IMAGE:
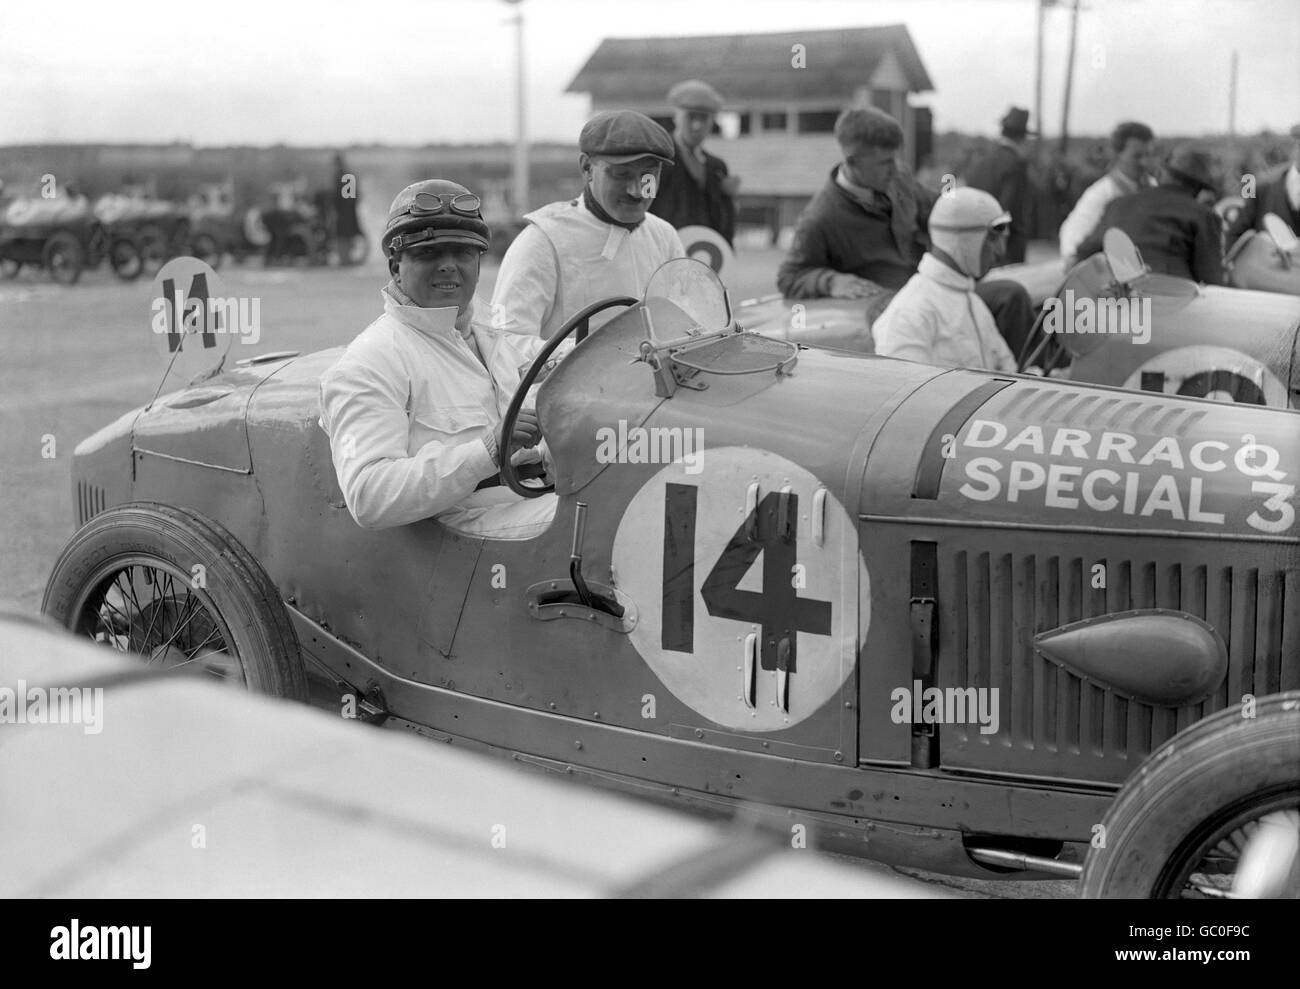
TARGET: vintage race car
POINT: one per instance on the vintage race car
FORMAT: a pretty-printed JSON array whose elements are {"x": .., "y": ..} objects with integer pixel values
[{"x": 935, "y": 617}]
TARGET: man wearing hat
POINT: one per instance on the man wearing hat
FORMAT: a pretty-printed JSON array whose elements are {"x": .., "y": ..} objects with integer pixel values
[
  {"x": 1004, "y": 174},
  {"x": 1177, "y": 234},
  {"x": 1276, "y": 192},
  {"x": 938, "y": 317},
  {"x": 600, "y": 245},
  {"x": 413, "y": 408},
  {"x": 696, "y": 189}
]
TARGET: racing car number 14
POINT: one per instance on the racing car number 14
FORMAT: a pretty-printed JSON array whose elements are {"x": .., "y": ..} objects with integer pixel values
[{"x": 747, "y": 578}]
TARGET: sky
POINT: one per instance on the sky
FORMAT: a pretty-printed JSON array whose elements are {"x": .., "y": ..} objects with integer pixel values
[{"x": 428, "y": 71}]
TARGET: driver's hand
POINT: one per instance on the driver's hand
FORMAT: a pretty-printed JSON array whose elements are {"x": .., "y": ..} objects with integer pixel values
[
  {"x": 846, "y": 286},
  {"x": 528, "y": 430}
]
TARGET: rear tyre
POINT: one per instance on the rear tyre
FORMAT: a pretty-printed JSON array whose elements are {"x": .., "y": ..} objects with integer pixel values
[
  {"x": 63, "y": 258},
  {"x": 176, "y": 589},
  {"x": 1182, "y": 823},
  {"x": 125, "y": 259}
]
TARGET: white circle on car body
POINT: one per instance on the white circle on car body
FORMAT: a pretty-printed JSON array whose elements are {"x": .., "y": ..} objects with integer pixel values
[
  {"x": 1204, "y": 371},
  {"x": 707, "y": 573}
]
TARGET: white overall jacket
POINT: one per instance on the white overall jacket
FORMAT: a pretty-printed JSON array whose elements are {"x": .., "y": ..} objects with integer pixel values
[
  {"x": 567, "y": 258},
  {"x": 411, "y": 413}
]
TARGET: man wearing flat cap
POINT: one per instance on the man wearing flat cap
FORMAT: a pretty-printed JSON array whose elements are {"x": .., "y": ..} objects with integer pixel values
[
  {"x": 696, "y": 190},
  {"x": 600, "y": 245},
  {"x": 414, "y": 406},
  {"x": 1004, "y": 174},
  {"x": 1177, "y": 234},
  {"x": 1278, "y": 191}
]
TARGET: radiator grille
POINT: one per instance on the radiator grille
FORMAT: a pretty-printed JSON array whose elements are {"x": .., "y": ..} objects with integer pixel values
[{"x": 1052, "y": 723}]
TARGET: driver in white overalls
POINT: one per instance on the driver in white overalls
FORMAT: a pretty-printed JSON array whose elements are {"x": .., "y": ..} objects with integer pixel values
[
  {"x": 413, "y": 408},
  {"x": 601, "y": 245}
]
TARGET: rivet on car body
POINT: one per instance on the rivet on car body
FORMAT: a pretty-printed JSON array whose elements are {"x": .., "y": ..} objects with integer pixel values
[
  {"x": 699, "y": 732},
  {"x": 551, "y": 705},
  {"x": 839, "y": 756},
  {"x": 577, "y": 744}
]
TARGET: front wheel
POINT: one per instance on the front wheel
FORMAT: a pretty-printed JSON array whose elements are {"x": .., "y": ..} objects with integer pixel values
[
  {"x": 1213, "y": 813},
  {"x": 176, "y": 589},
  {"x": 63, "y": 258}
]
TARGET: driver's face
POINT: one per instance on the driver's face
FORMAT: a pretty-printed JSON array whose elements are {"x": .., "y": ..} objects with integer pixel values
[{"x": 439, "y": 275}]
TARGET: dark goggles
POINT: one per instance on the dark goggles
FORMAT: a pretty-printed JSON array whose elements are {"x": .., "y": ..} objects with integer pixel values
[{"x": 431, "y": 204}]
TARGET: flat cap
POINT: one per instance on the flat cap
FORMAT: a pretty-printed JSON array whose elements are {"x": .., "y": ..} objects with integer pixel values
[
  {"x": 693, "y": 94},
  {"x": 625, "y": 135}
]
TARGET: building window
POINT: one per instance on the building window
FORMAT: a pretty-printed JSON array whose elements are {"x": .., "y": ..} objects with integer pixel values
[
  {"x": 746, "y": 120},
  {"x": 818, "y": 121},
  {"x": 775, "y": 121}
]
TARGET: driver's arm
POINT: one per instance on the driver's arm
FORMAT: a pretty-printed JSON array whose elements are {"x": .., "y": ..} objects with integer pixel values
[{"x": 363, "y": 411}]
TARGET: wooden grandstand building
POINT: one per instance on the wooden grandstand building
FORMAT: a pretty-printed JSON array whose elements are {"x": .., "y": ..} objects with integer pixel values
[{"x": 783, "y": 92}]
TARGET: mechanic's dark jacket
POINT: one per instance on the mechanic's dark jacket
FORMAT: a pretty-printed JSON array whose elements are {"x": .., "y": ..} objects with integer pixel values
[
  {"x": 1176, "y": 234},
  {"x": 1004, "y": 174},
  {"x": 1270, "y": 197},
  {"x": 837, "y": 233},
  {"x": 683, "y": 202}
]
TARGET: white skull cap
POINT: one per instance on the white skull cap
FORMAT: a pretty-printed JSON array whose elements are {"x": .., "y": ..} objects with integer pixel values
[
  {"x": 959, "y": 223},
  {"x": 967, "y": 210}
]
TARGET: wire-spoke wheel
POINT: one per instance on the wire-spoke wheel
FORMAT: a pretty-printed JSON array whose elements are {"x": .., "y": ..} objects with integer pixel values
[
  {"x": 178, "y": 591},
  {"x": 1214, "y": 813},
  {"x": 63, "y": 258}
]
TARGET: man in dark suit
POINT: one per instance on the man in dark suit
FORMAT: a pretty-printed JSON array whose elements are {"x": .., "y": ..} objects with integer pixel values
[
  {"x": 864, "y": 233},
  {"x": 1278, "y": 192},
  {"x": 1004, "y": 173},
  {"x": 696, "y": 189},
  {"x": 1177, "y": 234}
]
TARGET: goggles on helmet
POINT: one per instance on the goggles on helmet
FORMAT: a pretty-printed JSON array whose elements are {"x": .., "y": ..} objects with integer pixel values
[{"x": 433, "y": 203}]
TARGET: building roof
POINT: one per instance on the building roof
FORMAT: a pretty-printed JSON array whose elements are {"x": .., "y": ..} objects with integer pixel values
[{"x": 749, "y": 67}]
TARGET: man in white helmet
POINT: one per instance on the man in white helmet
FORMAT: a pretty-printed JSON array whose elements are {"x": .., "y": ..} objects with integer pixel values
[
  {"x": 601, "y": 245},
  {"x": 937, "y": 317},
  {"x": 413, "y": 408}
]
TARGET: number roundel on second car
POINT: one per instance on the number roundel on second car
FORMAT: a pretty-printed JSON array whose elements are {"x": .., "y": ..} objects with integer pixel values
[{"x": 747, "y": 576}]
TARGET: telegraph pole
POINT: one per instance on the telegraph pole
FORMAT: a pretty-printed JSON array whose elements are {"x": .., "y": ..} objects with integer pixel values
[
  {"x": 1038, "y": 74},
  {"x": 1069, "y": 78},
  {"x": 1232, "y": 95},
  {"x": 520, "y": 194}
]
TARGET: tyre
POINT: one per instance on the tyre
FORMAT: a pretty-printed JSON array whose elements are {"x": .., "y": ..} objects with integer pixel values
[
  {"x": 152, "y": 242},
  {"x": 176, "y": 589},
  {"x": 205, "y": 248},
  {"x": 9, "y": 268},
  {"x": 1202, "y": 805},
  {"x": 125, "y": 259},
  {"x": 63, "y": 258}
]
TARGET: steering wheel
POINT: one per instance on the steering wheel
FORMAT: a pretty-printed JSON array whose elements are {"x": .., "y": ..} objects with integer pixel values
[{"x": 509, "y": 474}]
